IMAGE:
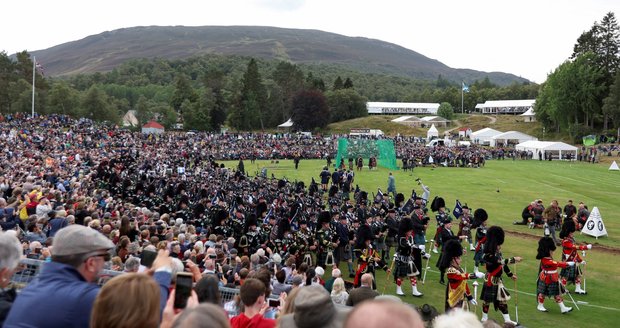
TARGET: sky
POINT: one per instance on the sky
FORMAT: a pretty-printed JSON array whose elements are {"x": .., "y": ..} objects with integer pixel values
[{"x": 528, "y": 38}]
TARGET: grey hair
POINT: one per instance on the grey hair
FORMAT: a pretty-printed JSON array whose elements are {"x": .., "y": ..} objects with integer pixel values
[
  {"x": 132, "y": 264},
  {"x": 10, "y": 251}
]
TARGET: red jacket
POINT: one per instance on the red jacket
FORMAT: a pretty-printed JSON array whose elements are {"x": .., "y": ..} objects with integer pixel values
[{"x": 257, "y": 321}]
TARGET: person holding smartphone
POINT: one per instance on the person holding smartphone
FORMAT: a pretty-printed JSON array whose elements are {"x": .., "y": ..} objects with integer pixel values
[{"x": 252, "y": 295}]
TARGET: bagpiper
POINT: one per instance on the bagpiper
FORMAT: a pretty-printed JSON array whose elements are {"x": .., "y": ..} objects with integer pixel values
[
  {"x": 405, "y": 258},
  {"x": 457, "y": 289},
  {"x": 439, "y": 205},
  {"x": 465, "y": 223},
  {"x": 493, "y": 290},
  {"x": 480, "y": 224},
  {"x": 325, "y": 238},
  {"x": 569, "y": 251},
  {"x": 548, "y": 279}
]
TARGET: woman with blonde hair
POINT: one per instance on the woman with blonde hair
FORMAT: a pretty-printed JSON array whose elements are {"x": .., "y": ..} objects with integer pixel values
[
  {"x": 128, "y": 300},
  {"x": 339, "y": 293}
]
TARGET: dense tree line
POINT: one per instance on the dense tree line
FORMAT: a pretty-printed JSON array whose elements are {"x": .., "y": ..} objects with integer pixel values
[
  {"x": 582, "y": 95},
  {"x": 208, "y": 92}
]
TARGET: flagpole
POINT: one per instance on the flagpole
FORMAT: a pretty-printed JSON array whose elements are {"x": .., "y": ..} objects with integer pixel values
[
  {"x": 462, "y": 87},
  {"x": 34, "y": 70}
]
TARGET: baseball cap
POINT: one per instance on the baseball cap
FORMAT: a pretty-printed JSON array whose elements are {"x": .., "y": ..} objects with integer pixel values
[{"x": 77, "y": 239}]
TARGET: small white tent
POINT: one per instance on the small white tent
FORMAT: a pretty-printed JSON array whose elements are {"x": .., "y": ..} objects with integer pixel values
[
  {"x": 594, "y": 226},
  {"x": 529, "y": 115},
  {"x": 432, "y": 132},
  {"x": 555, "y": 149},
  {"x": 510, "y": 138},
  {"x": 614, "y": 167},
  {"x": 483, "y": 136}
]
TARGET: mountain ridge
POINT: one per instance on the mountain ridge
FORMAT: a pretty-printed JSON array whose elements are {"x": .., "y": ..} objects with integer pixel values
[{"x": 104, "y": 51}]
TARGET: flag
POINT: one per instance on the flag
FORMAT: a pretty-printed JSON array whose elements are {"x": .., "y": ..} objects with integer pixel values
[
  {"x": 458, "y": 209},
  {"x": 379, "y": 196},
  {"x": 39, "y": 67},
  {"x": 464, "y": 87},
  {"x": 408, "y": 207}
]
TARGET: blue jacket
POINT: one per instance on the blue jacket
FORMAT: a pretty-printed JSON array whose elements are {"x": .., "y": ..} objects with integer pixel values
[{"x": 60, "y": 297}]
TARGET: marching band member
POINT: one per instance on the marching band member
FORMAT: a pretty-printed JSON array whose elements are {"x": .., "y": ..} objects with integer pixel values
[
  {"x": 569, "y": 250},
  {"x": 493, "y": 290},
  {"x": 405, "y": 258},
  {"x": 548, "y": 279},
  {"x": 457, "y": 289}
]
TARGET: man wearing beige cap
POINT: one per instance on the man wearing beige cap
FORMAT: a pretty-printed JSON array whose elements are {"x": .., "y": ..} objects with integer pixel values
[{"x": 64, "y": 288}]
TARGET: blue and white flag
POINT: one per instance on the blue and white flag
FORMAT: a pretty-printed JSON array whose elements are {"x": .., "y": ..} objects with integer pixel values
[
  {"x": 464, "y": 86},
  {"x": 458, "y": 209}
]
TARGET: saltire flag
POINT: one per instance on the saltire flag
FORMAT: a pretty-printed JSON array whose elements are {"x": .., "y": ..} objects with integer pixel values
[
  {"x": 458, "y": 209},
  {"x": 269, "y": 214},
  {"x": 464, "y": 87}
]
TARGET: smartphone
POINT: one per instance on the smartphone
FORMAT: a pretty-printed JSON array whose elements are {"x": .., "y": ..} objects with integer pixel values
[
  {"x": 274, "y": 302},
  {"x": 148, "y": 257},
  {"x": 213, "y": 256},
  {"x": 183, "y": 289}
]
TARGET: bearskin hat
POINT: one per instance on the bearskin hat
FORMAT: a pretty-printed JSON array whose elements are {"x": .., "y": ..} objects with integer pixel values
[
  {"x": 480, "y": 215},
  {"x": 495, "y": 237},
  {"x": 251, "y": 220},
  {"x": 261, "y": 208},
  {"x": 545, "y": 246},
  {"x": 567, "y": 228},
  {"x": 400, "y": 198},
  {"x": 221, "y": 215},
  {"x": 451, "y": 249},
  {"x": 151, "y": 189},
  {"x": 437, "y": 203},
  {"x": 406, "y": 224},
  {"x": 324, "y": 217}
]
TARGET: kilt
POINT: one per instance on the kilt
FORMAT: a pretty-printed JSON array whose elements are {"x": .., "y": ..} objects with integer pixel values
[
  {"x": 405, "y": 269},
  {"x": 495, "y": 293},
  {"x": 571, "y": 273},
  {"x": 551, "y": 289}
]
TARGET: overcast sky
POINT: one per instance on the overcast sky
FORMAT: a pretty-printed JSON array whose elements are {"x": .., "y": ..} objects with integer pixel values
[{"x": 528, "y": 38}]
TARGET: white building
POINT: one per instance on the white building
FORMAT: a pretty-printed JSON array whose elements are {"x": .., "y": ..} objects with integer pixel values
[
  {"x": 399, "y": 108},
  {"x": 506, "y": 106}
]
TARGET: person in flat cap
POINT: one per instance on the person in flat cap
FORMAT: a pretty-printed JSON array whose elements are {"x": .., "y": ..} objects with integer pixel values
[{"x": 66, "y": 284}]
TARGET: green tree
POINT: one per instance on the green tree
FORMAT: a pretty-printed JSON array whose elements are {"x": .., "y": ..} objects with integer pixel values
[
  {"x": 445, "y": 110},
  {"x": 250, "y": 112},
  {"x": 289, "y": 79},
  {"x": 338, "y": 84},
  {"x": 611, "y": 104},
  {"x": 196, "y": 116},
  {"x": 96, "y": 105},
  {"x": 183, "y": 91},
  {"x": 63, "y": 99},
  {"x": 345, "y": 104},
  {"x": 310, "y": 110},
  {"x": 143, "y": 112},
  {"x": 348, "y": 84}
]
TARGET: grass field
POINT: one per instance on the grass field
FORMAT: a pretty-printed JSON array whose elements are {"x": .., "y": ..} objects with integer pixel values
[{"x": 504, "y": 188}]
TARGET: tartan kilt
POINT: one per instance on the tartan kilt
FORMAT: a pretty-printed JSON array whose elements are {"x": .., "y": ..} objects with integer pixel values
[
  {"x": 571, "y": 273},
  {"x": 494, "y": 293},
  {"x": 551, "y": 289},
  {"x": 403, "y": 269}
]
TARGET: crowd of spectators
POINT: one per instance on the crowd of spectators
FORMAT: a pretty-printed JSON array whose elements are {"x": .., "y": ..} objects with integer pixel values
[{"x": 84, "y": 197}]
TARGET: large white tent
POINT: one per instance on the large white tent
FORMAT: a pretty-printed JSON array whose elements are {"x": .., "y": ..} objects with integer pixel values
[
  {"x": 556, "y": 149},
  {"x": 483, "y": 136},
  {"x": 510, "y": 138},
  {"x": 432, "y": 132}
]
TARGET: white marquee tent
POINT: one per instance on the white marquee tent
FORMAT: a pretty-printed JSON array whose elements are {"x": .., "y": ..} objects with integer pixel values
[
  {"x": 510, "y": 138},
  {"x": 432, "y": 132},
  {"x": 557, "y": 150},
  {"x": 286, "y": 125},
  {"x": 483, "y": 136}
]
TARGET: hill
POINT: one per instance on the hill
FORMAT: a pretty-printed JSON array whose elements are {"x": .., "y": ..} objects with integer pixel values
[{"x": 104, "y": 51}]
